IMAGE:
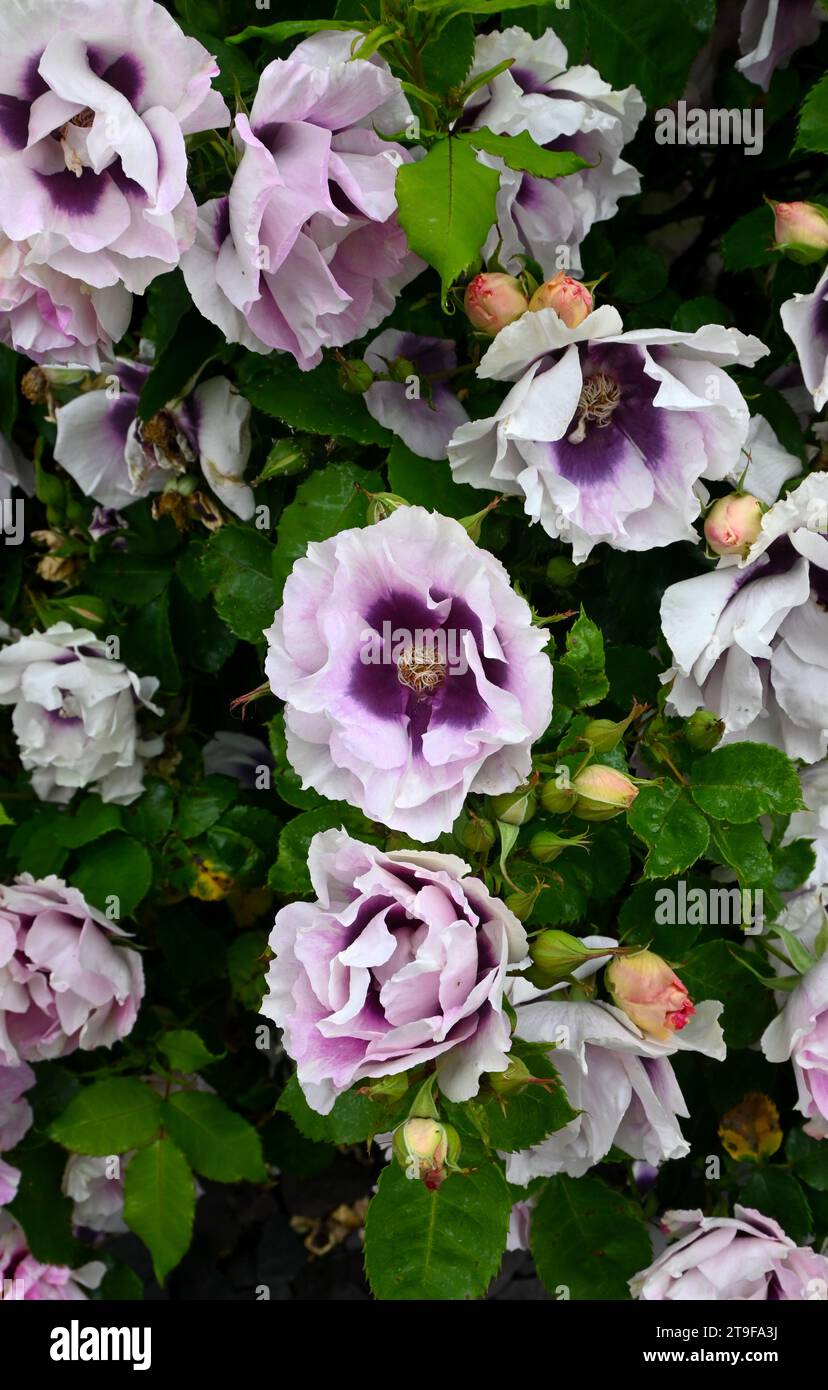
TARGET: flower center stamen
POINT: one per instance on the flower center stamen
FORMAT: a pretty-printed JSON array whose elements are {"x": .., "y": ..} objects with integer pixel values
[
  {"x": 421, "y": 670},
  {"x": 600, "y": 395}
]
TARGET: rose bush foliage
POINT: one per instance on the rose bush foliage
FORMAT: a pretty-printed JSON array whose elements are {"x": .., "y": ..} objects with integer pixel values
[{"x": 414, "y": 642}]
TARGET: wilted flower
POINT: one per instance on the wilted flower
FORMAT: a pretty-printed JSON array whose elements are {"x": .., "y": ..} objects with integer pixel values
[
  {"x": 401, "y": 960},
  {"x": 64, "y": 981},
  {"x": 750, "y": 638},
  {"x": 562, "y": 109},
  {"x": 805, "y": 320},
  {"x": 306, "y": 252},
  {"x": 742, "y": 1258},
  {"x": 24, "y": 1277},
  {"x": 421, "y": 408},
  {"x": 771, "y": 32},
  {"x": 117, "y": 458},
  {"x": 649, "y": 993},
  {"x": 75, "y": 714},
  {"x": 606, "y": 434},
  {"x": 733, "y": 524},
  {"x": 410, "y": 670},
  {"x": 492, "y": 300},
  {"x": 619, "y": 1080},
  {"x": 96, "y": 102},
  {"x": 15, "y": 1120}
]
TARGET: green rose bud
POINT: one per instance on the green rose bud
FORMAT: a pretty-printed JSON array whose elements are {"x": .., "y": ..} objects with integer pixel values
[
  {"x": 557, "y": 800},
  {"x": 355, "y": 377},
  {"x": 703, "y": 730},
  {"x": 515, "y": 808},
  {"x": 602, "y": 792},
  {"x": 478, "y": 835}
]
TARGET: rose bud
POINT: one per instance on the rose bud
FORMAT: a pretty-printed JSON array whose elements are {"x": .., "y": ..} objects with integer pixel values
[
  {"x": 492, "y": 300},
  {"x": 512, "y": 1081},
  {"x": 555, "y": 954},
  {"x": 545, "y": 846},
  {"x": 382, "y": 504},
  {"x": 570, "y": 299},
  {"x": 478, "y": 835},
  {"x": 355, "y": 376},
  {"x": 515, "y": 808},
  {"x": 801, "y": 231},
  {"x": 603, "y": 734},
  {"x": 650, "y": 994},
  {"x": 602, "y": 792},
  {"x": 703, "y": 730},
  {"x": 424, "y": 1148},
  {"x": 733, "y": 523},
  {"x": 557, "y": 800},
  {"x": 561, "y": 572}
]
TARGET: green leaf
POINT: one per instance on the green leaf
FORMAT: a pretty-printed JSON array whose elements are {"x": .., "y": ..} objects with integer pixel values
[
  {"x": 813, "y": 119},
  {"x": 148, "y": 644},
  {"x": 218, "y": 1143},
  {"x": 121, "y": 1284},
  {"x": 353, "y": 1119},
  {"x": 644, "y": 919},
  {"x": 447, "y": 207},
  {"x": 192, "y": 344},
  {"x": 150, "y": 817},
  {"x": 649, "y": 45},
  {"x": 246, "y": 968},
  {"x": 587, "y": 1240},
  {"x": 443, "y": 1245},
  {"x": 8, "y": 389},
  {"x": 675, "y": 833},
  {"x": 91, "y": 819},
  {"x": 448, "y": 57},
  {"x": 40, "y": 1206},
  {"x": 185, "y": 1051},
  {"x": 130, "y": 576},
  {"x": 809, "y": 1157},
  {"x": 312, "y": 401},
  {"x": 114, "y": 866},
  {"x": 716, "y": 970},
  {"x": 202, "y": 805},
  {"x": 244, "y": 596},
  {"x": 639, "y": 276},
  {"x": 522, "y": 152},
  {"x": 292, "y": 28},
  {"x": 777, "y": 1194},
  {"x": 695, "y": 313},
  {"x": 159, "y": 1203},
  {"x": 749, "y": 242},
  {"x": 792, "y": 864},
  {"x": 584, "y": 658},
  {"x": 426, "y": 483},
  {"x": 745, "y": 849},
  {"x": 743, "y": 781},
  {"x": 289, "y": 874},
  {"x": 35, "y": 844},
  {"x": 109, "y": 1117},
  {"x": 325, "y": 504}
]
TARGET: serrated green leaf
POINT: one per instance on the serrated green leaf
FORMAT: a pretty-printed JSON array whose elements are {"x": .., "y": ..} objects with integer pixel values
[
  {"x": 443, "y": 1245},
  {"x": 809, "y": 1158},
  {"x": 587, "y": 1240},
  {"x": 777, "y": 1194},
  {"x": 202, "y": 805},
  {"x": 325, "y": 504},
  {"x": 584, "y": 659},
  {"x": 290, "y": 872},
  {"x": 185, "y": 1051},
  {"x": 446, "y": 205},
  {"x": 218, "y": 1143},
  {"x": 159, "y": 1203},
  {"x": 674, "y": 831},
  {"x": 115, "y": 866},
  {"x": 244, "y": 594},
  {"x": 743, "y": 781},
  {"x": 523, "y": 153},
  {"x": 813, "y": 119},
  {"x": 109, "y": 1117},
  {"x": 309, "y": 401},
  {"x": 353, "y": 1119},
  {"x": 745, "y": 849}
]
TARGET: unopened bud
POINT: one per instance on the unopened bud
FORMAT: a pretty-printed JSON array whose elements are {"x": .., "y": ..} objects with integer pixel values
[
  {"x": 478, "y": 835},
  {"x": 557, "y": 800},
  {"x": 555, "y": 954},
  {"x": 801, "y": 231},
  {"x": 355, "y": 377},
  {"x": 570, "y": 299},
  {"x": 602, "y": 792},
  {"x": 425, "y": 1148},
  {"x": 650, "y": 994},
  {"x": 733, "y": 523},
  {"x": 703, "y": 730},
  {"x": 382, "y": 504},
  {"x": 545, "y": 846},
  {"x": 522, "y": 902},
  {"x": 603, "y": 734},
  {"x": 493, "y": 300},
  {"x": 401, "y": 369},
  {"x": 515, "y": 808},
  {"x": 561, "y": 572},
  {"x": 511, "y": 1081}
]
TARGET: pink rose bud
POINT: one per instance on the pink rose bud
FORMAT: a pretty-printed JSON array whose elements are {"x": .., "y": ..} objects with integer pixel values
[
  {"x": 570, "y": 299},
  {"x": 424, "y": 1148},
  {"x": 602, "y": 792},
  {"x": 801, "y": 231},
  {"x": 492, "y": 300},
  {"x": 650, "y": 994},
  {"x": 733, "y": 524}
]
